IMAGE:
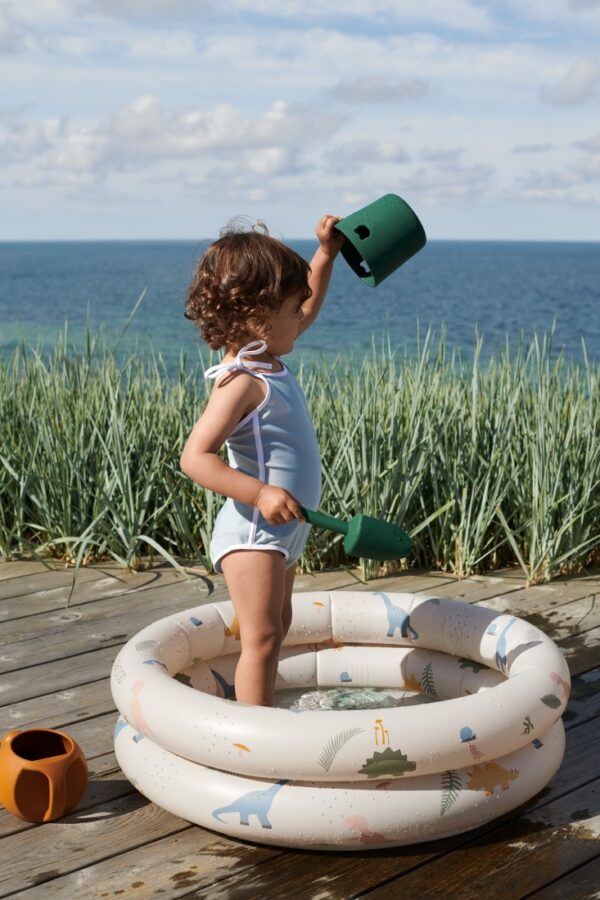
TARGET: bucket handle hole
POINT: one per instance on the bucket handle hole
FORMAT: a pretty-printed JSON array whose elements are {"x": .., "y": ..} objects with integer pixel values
[{"x": 362, "y": 231}]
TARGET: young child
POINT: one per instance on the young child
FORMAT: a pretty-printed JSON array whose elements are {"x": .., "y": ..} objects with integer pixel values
[{"x": 256, "y": 296}]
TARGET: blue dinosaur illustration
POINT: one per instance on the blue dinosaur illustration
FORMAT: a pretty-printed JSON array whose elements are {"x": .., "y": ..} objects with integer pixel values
[
  {"x": 121, "y": 723},
  {"x": 254, "y": 803},
  {"x": 501, "y": 645},
  {"x": 154, "y": 662},
  {"x": 228, "y": 689},
  {"x": 397, "y": 618}
]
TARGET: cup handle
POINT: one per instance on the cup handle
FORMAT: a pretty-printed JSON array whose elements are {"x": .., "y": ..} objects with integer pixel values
[{"x": 58, "y": 798}]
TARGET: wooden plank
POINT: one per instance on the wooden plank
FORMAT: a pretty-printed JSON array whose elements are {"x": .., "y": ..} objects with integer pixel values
[
  {"x": 581, "y": 884},
  {"x": 167, "y": 868},
  {"x": 18, "y": 568},
  {"x": 529, "y": 601},
  {"x": 92, "y": 630},
  {"x": 60, "y": 708},
  {"x": 27, "y": 683},
  {"x": 562, "y": 615},
  {"x": 54, "y": 594},
  {"x": 584, "y": 700},
  {"x": 582, "y": 651}
]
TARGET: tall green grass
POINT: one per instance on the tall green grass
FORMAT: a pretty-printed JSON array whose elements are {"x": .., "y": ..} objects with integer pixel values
[{"x": 483, "y": 466}]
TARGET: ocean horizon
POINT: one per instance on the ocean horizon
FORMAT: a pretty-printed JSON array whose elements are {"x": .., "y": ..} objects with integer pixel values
[{"x": 497, "y": 290}]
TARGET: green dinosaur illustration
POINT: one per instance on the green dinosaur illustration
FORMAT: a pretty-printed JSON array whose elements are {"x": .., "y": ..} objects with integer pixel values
[{"x": 388, "y": 762}]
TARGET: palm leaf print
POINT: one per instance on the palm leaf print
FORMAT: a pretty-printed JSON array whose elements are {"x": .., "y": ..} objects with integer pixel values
[
  {"x": 427, "y": 682},
  {"x": 551, "y": 700},
  {"x": 334, "y": 745},
  {"x": 527, "y": 725},
  {"x": 451, "y": 785}
]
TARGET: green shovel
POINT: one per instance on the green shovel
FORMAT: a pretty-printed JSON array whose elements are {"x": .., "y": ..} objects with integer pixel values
[{"x": 365, "y": 536}]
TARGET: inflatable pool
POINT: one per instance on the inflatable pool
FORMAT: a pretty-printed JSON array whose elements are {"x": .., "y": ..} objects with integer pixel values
[{"x": 489, "y": 738}]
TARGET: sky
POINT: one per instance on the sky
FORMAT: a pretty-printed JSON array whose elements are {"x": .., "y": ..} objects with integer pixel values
[{"x": 163, "y": 119}]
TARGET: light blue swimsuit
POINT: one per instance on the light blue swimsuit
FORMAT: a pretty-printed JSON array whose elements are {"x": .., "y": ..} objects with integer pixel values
[{"x": 277, "y": 444}]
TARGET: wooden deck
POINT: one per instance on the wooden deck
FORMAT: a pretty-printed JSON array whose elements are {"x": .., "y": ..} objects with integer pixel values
[{"x": 55, "y": 666}]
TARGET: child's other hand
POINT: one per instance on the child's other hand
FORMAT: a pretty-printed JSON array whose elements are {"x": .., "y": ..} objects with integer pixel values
[
  {"x": 277, "y": 505},
  {"x": 330, "y": 239}
]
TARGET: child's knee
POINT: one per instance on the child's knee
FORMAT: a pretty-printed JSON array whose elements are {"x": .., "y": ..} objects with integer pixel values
[{"x": 264, "y": 641}]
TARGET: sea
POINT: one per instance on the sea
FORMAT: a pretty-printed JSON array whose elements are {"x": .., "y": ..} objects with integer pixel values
[{"x": 494, "y": 294}]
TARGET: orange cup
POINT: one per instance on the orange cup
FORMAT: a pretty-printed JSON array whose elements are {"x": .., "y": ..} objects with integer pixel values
[{"x": 43, "y": 774}]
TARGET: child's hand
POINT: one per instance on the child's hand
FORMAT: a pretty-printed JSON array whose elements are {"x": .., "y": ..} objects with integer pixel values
[
  {"x": 331, "y": 240},
  {"x": 277, "y": 505}
]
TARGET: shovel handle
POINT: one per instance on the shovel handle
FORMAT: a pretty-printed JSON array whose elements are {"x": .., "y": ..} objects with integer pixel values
[{"x": 324, "y": 521}]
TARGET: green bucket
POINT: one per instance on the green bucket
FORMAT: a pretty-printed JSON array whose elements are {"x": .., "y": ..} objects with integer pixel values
[{"x": 381, "y": 237}]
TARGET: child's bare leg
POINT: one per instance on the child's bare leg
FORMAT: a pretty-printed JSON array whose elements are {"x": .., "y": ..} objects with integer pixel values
[
  {"x": 286, "y": 612},
  {"x": 256, "y": 583}
]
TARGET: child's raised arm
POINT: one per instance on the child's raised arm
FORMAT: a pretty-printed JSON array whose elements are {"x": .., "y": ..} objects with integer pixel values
[{"x": 321, "y": 266}]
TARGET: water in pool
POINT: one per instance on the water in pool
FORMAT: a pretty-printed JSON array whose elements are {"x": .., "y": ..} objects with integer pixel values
[{"x": 347, "y": 698}]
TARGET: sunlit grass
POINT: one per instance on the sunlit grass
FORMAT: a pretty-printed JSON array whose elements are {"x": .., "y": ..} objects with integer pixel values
[{"x": 484, "y": 467}]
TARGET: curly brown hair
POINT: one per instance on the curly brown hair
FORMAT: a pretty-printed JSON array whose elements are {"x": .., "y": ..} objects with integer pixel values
[{"x": 241, "y": 280}]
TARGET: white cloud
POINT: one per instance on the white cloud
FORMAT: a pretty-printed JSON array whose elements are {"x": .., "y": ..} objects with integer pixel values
[
  {"x": 175, "y": 102},
  {"x": 22, "y": 141},
  {"x": 447, "y": 183},
  {"x": 445, "y": 156},
  {"x": 149, "y": 10},
  {"x": 144, "y": 134},
  {"x": 577, "y": 85},
  {"x": 461, "y": 15},
  {"x": 584, "y": 4},
  {"x": 379, "y": 90},
  {"x": 161, "y": 45},
  {"x": 590, "y": 145},
  {"x": 532, "y": 148},
  {"x": 350, "y": 156}
]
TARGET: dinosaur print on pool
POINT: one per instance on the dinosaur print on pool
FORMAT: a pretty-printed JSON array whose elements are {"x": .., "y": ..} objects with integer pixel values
[
  {"x": 365, "y": 835},
  {"x": 228, "y": 689},
  {"x": 489, "y": 775},
  {"x": 397, "y": 618},
  {"x": 254, "y": 803},
  {"x": 388, "y": 762},
  {"x": 500, "y": 657},
  {"x": 565, "y": 685}
]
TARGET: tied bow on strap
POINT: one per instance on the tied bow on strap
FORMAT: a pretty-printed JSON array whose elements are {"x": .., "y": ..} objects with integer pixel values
[{"x": 240, "y": 361}]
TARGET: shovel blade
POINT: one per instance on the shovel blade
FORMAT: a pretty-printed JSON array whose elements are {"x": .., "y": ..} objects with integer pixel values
[{"x": 373, "y": 539}]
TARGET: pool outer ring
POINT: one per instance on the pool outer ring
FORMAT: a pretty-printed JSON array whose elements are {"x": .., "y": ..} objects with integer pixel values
[{"x": 339, "y": 816}]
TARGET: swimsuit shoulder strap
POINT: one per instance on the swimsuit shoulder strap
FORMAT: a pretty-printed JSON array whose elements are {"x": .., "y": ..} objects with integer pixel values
[{"x": 240, "y": 362}]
